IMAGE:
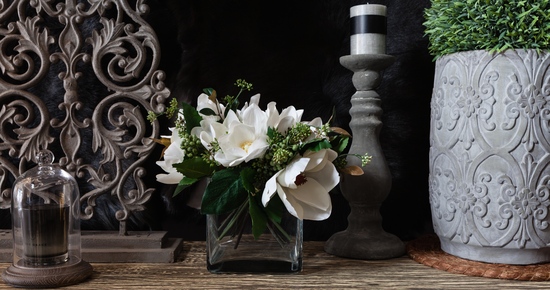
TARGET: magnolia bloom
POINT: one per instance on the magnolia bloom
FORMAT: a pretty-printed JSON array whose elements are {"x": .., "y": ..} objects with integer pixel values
[
  {"x": 284, "y": 121},
  {"x": 254, "y": 100},
  {"x": 246, "y": 137},
  {"x": 252, "y": 115},
  {"x": 172, "y": 155},
  {"x": 208, "y": 131},
  {"x": 314, "y": 125},
  {"x": 204, "y": 102},
  {"x": 304, "y": 185}
]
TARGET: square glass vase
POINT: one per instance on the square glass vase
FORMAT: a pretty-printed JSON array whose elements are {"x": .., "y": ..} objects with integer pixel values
[{"x": 235, "y": 250}]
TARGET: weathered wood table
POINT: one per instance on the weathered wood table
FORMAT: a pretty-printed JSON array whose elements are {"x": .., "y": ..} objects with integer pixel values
[{"x": 320, "y": 270}]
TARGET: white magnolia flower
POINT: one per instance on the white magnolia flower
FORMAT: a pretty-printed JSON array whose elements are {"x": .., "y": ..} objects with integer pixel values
[
  {"x": 245, "y": 138},
  {"x": 284, "y": 121},
  {"x": 172, "y": 155},
  {"x": 315, "y": 123},
  {"x": 254, "y": 100},
  {"x": 304, "y": 185},
  {"x": 253, "y": 116},
  {"x": 208, "y": 131},
  {"x": 315, "y": 126},
  {"x": 204, "y": 102}
]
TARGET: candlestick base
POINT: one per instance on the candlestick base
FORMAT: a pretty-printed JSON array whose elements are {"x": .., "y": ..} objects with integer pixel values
[
  {"x": 377, "y": 245},
  {"x": 364, "y": 238},
  {"x": 47, "y": 277}
]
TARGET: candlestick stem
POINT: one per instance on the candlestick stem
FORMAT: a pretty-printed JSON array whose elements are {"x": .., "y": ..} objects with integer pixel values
[{"x": 364, "y": 237}]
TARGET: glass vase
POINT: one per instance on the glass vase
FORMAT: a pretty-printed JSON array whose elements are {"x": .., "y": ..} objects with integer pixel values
[{"x": 231, "y": 246}]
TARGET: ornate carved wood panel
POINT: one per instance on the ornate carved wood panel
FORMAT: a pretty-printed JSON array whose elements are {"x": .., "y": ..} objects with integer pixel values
[{"x": 78, "y": 77}]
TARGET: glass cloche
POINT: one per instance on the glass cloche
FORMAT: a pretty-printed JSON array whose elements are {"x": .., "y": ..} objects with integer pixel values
[{"x": 46, "y": 227}]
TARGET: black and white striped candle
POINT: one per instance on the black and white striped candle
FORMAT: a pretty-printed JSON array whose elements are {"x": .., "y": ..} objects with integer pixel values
[{"x": 368, "y": 29}]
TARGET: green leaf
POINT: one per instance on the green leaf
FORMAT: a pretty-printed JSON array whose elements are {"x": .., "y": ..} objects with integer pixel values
[
  {"x": 207, "y": 112},
  {"x": 275, "y": 209},
  {"x": 232, "y": 105},
  {"x": 195, "y": 167},
  {"x": 233, "y": 220},
  {"x": 191, "y": 117},
  {"x": 271, "y": 133},
  {"x": 340, "y": 144},
  {"x": 208, "y": 91},
  {"x": 315, "y": 145},
  {"x": 248, "y": 176},
  {"x": 224, "y": 193},
  {"x": 183, "y": 184},
  {"x": 258, "y": 217}
]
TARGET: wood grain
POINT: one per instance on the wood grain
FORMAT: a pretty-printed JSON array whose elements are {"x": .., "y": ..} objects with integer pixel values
[{"x": 320, "y": 271}]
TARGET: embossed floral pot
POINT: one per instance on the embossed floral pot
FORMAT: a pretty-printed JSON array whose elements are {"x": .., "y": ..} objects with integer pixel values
[{"x": 490, "y": 156}]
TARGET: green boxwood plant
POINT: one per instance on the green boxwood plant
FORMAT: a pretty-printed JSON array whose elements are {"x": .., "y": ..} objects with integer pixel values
[{"x": 493, "y": 25}]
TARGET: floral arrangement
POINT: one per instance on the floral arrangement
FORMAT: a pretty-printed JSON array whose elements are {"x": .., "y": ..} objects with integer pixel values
[{"x": 259, "y": 162}]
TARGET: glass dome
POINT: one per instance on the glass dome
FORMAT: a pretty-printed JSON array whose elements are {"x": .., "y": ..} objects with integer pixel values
[{"x": 46, "y": 226}]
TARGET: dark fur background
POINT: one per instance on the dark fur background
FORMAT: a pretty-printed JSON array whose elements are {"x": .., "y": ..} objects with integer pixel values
[{"x": 290, "y": 51}]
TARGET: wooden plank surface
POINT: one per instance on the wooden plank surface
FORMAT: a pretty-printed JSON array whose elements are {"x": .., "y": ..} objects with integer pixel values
[{"x": 320, "y": 271}]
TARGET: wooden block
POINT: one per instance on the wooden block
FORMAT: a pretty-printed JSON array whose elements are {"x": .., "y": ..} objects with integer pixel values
[
  {"x": 6, "y": 246},
  {"x": 5, "y": 239},
  {"x": 116, "y": 254},
  {"x": 134, "y": 240},
  {"x": 110, "y": 247}
]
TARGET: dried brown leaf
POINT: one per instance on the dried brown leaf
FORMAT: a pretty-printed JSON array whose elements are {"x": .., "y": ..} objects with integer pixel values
[
  {"x": 353, "y": 170},
  {"x": 340, "y": 131},
  {"x": 213, "y": 97},
  {"x": 163, "y": 141}
]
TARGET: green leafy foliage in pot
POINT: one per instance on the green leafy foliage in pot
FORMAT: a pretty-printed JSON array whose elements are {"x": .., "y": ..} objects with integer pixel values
[{"x": 493, "y": 25}]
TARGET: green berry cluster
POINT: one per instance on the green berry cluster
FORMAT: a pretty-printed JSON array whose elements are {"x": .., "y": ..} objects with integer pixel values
[
  {"x": 325, "y": 129},
  {"x": 172, "y": 108},
  {"x": 280, "y": 158},
  {"x": 340, "y": 162},
  {"x": 151, "y": 116},
  {"x": 243, "y": 85},
  {"x": 365, "y": 159},
  {"x": 263, "y": 169},
  {"x": 282, "y": 148},
  {"x": 298, "y": 133},
  {"x": 208, "y": 156},
  {"x": 191, "y": 145},
  {"x": 169, "y": 112}
]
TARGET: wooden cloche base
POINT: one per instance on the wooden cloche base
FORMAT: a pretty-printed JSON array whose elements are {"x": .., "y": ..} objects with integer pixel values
[{"x": 55, "y": 276}]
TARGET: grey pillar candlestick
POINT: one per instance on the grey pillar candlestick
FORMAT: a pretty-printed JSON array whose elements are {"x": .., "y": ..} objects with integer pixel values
[{"x": 364, "y": 237}]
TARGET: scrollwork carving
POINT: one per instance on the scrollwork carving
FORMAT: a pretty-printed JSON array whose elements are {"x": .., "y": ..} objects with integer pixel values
[
  {"x": 23, "y": 43},
  {"x": 103, "y": 134}
]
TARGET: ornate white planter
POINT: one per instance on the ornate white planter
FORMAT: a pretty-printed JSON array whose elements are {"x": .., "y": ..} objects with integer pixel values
[{"x": 490, "y": 156}]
